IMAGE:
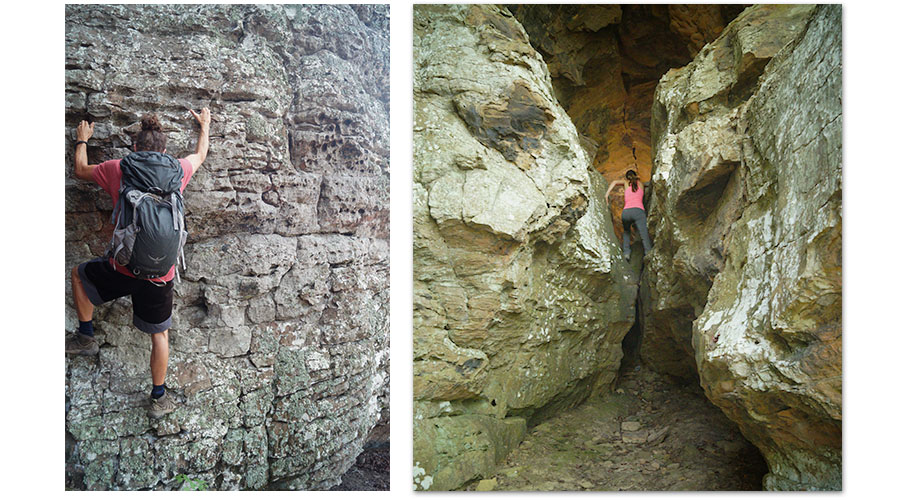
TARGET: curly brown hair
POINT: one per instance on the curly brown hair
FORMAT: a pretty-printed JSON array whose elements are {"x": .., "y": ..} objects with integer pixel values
[{"x": 151, "y": 137}]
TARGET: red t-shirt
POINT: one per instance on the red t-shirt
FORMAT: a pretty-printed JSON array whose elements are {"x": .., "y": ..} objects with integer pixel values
[{"x": 109, "y": 176}]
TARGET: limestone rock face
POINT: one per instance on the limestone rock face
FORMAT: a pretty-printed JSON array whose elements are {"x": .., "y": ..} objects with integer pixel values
[
  {"x": 605, "y": 61},
  {"x": 521, "y": 297},
  {"x": 744, "y": 283},
  {"x": 279, "y": 345}
]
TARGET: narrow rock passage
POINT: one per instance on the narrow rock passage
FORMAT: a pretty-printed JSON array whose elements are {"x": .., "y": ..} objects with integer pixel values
[{"x": 651, "y": 434}]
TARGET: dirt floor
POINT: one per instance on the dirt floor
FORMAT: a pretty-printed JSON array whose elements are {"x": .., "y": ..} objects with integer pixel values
[
  {"x": 372, "y": 471},
  {"x": 650, "y": 434}
]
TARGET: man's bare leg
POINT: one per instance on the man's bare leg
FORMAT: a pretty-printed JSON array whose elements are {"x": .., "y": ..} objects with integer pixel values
[
  {"x": 159, "y": 357},
  {"x": 82, "y": 341},
  {"x": 83, "y": 305},
  {"x": 160, "y": 402}
]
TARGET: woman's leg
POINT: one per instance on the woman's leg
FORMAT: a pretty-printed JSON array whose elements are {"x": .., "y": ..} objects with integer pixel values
[
  {"x": 641, "y": 223},
  {"x": 626, "y": 234}
]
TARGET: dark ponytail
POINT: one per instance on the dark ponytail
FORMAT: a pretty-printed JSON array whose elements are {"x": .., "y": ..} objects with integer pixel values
[
  {"x": 151, "y": 137},
  {"x": 632, "y": 177}
]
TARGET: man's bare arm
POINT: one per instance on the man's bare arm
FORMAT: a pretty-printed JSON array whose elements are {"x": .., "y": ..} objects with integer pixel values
[
  {"x": 199, "y": 156},
  {"x": 83, "y": 170}
]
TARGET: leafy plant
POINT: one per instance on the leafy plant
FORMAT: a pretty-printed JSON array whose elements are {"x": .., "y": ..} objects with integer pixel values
[{"x": 191, "y": 484}]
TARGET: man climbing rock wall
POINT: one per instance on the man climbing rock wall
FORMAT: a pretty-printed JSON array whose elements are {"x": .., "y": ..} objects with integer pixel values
[{"x": 279, "y": 343}]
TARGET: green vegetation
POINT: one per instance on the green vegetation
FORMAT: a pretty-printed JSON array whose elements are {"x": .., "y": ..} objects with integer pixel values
[{"x": 191, "y": 484}]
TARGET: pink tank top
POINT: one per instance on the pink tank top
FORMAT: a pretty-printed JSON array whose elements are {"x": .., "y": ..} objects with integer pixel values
[{"x": 634, "y": 199}]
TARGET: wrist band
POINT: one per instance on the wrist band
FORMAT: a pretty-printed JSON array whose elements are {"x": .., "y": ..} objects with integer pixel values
[{"x": 80, "y": 142}]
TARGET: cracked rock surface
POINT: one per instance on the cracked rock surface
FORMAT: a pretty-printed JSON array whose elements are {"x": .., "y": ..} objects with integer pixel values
[{"x": 279, "y": 352}]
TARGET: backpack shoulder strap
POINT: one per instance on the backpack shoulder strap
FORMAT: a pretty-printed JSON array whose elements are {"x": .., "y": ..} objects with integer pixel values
[{"x": 117, "y": 208}]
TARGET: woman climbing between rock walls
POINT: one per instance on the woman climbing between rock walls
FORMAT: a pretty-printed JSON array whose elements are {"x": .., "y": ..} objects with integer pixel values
[{"x": 633, "y": 212}]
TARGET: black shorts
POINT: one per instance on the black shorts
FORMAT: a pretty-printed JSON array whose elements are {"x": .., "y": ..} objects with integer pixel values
[{"x": 152, "y": 302}]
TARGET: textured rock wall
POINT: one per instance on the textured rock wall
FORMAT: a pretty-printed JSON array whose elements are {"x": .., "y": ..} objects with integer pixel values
[
  {"x": 605, "y": 61},
  {"x": 744, "y": 283},
  {"x": 521, "y": 296},
  {"x": 279, "y": 348}
]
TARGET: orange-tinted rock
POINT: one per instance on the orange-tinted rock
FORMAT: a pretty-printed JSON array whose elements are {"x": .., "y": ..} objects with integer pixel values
[
  {"x": 605, "y": 61},
  {"x": 697, "y": 25}
]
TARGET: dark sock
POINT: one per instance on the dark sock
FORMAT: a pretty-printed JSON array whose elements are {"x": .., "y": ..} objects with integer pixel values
[
  {"x": 86, "y": 327},
  {"x": 158, "y": 391}
]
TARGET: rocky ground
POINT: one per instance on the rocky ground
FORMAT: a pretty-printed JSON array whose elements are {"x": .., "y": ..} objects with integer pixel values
[
  {"x": 651, "y": 434},
  {"x": 371, "y": 472}
]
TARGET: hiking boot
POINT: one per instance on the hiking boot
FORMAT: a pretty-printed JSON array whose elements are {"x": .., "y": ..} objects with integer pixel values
[
  {"x": 161, "y": 406},
  {"x": 76, "y": 343}
]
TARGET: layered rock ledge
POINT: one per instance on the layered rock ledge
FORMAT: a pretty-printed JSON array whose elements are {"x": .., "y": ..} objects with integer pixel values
[{"x": 279, "y": 348}]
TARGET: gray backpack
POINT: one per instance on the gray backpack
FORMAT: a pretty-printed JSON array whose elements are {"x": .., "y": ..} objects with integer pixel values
[{"x": 149, "y": 235}]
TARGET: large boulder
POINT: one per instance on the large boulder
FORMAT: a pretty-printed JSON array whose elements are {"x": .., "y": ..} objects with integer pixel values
[
  {"x": 521, "y": 297},
  {"x": 279, "y": 345},
  {"x": 744, "y": 284}
]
